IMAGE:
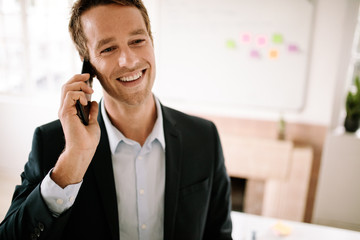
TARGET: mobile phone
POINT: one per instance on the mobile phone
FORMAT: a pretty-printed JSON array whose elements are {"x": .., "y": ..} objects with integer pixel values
[{"x": 83, "y": 111}]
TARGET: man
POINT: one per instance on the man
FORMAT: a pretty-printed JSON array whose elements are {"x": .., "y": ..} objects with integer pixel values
[{"x": 138, "y": 170}]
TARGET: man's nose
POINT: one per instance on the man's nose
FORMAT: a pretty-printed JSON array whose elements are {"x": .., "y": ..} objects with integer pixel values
[{"x": 128, "y": 58}]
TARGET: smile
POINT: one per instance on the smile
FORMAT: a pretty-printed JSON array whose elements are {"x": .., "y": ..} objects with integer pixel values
[{"x": 131, "y": 78}]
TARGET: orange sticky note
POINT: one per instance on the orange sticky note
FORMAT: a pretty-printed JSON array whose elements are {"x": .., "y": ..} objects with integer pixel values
[{"x": 273, "y": 54}]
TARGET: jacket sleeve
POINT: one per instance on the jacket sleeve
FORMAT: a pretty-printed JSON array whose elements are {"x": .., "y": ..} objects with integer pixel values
[
  {"x": 28, "y": 216},
  {"x": 219, "y": 225}
]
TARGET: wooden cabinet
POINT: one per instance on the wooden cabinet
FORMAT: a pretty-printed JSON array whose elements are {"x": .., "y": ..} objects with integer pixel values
[{"x": 277, "y": 173}]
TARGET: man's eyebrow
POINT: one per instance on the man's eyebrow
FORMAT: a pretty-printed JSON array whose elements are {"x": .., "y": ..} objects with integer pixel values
[
  {"x": 104, "y": 41},
  {"x": 139, "y": 31}
]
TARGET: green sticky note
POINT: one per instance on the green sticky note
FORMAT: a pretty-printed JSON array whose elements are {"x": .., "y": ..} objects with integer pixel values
[
  {"x": 277, "y": 38},
  {"x": 231, "y": 44}
]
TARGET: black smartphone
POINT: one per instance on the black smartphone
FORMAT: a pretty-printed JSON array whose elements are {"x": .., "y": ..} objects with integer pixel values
[{"x": 83, "y": 111}]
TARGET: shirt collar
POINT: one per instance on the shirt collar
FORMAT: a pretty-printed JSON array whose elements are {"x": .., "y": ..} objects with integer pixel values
[{"x": 115, "y": 136}]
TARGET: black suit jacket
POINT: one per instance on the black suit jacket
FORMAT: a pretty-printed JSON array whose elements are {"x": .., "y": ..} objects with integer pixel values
[{"x": 197, "y": 187}]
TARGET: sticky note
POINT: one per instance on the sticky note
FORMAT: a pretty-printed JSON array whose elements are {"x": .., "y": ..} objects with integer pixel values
[
  {"x": 261, "y": 41},
  {"x": 246, "y": 38},
  {"x": 255, "y": 54},
  {"x": 278, "y": 38},
  {"x": 282, "y": 229},
  {"x": 230, "y": 44},
  {"x": 293, "y": 48},
  {"x": 273, "y": 54}
]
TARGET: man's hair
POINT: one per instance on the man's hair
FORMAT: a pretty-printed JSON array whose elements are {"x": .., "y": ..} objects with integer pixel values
[{"x": 76, "y": 29}]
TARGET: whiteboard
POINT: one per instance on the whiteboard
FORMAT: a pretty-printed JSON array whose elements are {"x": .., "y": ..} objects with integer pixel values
[{"x": 235, "y": 52}]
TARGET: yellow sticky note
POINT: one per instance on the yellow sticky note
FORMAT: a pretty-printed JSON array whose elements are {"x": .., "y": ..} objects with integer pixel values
[{"x": 281, "y": 229}]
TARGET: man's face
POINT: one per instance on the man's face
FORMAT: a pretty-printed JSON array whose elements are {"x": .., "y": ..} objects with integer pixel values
[{"x": 121, "y": 52}]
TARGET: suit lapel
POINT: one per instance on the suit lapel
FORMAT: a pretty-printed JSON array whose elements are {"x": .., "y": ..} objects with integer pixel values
[
  {"x": 173, "y": 172},
  {"x": 103, "y": 171}
]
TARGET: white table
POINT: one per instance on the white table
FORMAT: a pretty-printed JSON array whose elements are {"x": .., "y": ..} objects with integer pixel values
[{"x": 245, "y": 224}]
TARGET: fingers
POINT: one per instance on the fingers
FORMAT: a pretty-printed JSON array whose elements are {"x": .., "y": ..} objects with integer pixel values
[
  {"x": 72, "y": 97},
  {"x": 79, "y": 77},
  {"x": 76, "y": 83},
  {"x": 75, "y": 89}
]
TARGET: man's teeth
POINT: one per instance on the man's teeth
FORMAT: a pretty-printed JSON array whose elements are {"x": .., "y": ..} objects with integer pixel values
[{"x": 131, "y": 78}]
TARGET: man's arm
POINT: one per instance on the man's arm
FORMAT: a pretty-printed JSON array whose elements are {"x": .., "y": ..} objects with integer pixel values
[
  {"x": 56, "y": 198},
  {"x": 81, "y": 141},
  {"x": 28, "y": 216},
  {"x": 219, "y": 225}
]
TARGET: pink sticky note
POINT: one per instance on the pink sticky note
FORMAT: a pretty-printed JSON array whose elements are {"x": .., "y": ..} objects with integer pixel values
[
  {"x": 246, "y": 38},
  {"x": 261, "y": 41}
]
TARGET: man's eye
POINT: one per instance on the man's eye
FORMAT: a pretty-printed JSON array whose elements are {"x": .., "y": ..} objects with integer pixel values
[
  {"x": 138, "y": 41},
  {"x": 106, "y": 50}
]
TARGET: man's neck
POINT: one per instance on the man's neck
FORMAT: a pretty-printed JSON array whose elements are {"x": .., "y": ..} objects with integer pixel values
[{"x": 135, "y": 122}]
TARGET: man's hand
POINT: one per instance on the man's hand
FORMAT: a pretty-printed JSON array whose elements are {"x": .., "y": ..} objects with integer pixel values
[{"x": 80, "y": 141}]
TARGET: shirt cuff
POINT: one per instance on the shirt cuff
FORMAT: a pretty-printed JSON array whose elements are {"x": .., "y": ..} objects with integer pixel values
[{"x": 56, "y": 198}]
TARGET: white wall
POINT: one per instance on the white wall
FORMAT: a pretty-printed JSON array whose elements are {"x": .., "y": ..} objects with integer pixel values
[
  {"x": 324, "y": 61},
  {"x": 19, "y": 118}
]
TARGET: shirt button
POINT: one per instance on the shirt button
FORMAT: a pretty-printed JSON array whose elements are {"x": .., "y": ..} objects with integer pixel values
[
  {"x": 59, "y": 201},
  {"x": 71, "y": 199},
  {"x": 143, "y": 226},
  {"x": 140, "y": 158},
  {"x": 142, "y": 191}
]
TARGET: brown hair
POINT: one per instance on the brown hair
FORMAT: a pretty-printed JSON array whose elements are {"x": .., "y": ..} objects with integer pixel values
[{"x": 76, "y": 30}]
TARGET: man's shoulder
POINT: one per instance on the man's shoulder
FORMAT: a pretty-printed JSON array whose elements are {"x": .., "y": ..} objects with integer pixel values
[
  {"x": 51, "y": 130},
  {"x": 51, "y": 126},
  {"x": 47, "y": 144}
]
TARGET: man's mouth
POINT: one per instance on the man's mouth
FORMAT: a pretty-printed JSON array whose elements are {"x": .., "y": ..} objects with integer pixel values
[{"x": 131, "y": 78}]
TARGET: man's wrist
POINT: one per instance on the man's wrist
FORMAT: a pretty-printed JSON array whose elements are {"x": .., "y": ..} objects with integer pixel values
[
  {"x": 69, "y": 169},
  {"x": 58, "y": 199}
]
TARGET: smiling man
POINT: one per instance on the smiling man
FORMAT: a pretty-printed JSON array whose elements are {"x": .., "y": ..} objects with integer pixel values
[{"x": 138, "y": 170}]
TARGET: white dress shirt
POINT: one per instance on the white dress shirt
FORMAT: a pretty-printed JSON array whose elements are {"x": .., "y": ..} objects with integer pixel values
[{"x": 139, "y": 173}]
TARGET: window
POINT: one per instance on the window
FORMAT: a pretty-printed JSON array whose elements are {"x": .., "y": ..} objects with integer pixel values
[
  {"x": 354, "y": 68},
  {"x": 36, "y": 52}
]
